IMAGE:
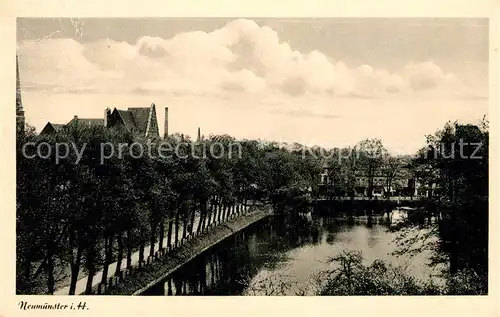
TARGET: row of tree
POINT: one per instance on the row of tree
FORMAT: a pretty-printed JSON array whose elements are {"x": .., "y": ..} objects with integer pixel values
[
  {"x": 85, "y": 216},
  {"x": 455, "y": 164},
  {"x": 454, "y": 167},
  {"x": 351, "y": 170},
  {"x": 82, "y": 217}
]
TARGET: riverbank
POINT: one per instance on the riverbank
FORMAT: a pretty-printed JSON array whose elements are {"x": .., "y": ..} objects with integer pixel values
[
  {"x": 272, "y": 258},
  {"x": 359, "y": 207},
  {"x": 147, "y": 277},
  {"x": 376, "y": 219},
  {"x": 64, "y": 283}
]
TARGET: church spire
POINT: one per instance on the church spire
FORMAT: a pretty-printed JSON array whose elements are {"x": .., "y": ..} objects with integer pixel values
[
  {"x": 19, "y": 102},
  {"x": 198, "y": 139}
]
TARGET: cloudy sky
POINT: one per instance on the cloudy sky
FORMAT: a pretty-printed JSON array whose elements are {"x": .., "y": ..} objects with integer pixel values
[{"x": 330, "y": 82}]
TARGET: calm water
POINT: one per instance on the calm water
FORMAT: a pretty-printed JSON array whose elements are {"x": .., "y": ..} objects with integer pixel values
[{"x": 268, "y": 259}]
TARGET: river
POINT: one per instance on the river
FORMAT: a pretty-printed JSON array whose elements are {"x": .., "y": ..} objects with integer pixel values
[{"x": 268, "y": 259}]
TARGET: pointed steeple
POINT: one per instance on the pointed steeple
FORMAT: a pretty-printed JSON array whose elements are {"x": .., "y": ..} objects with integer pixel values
[
  {"x": 19, "y": 102},
  {"x": 198, "y": 139},
  {"x": 152, "y": 123}
]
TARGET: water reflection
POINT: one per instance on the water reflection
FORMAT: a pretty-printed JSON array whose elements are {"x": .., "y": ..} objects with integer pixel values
[{"x": 269, "y": 259}]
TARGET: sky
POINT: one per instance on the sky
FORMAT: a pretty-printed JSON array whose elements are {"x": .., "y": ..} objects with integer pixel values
[{"x": 327, "y": 82}]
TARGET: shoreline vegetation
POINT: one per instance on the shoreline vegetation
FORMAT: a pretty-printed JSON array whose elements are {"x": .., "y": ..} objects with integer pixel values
[
  {"x": 79, "y": 218},
  {"x": 352, "y": 276}
]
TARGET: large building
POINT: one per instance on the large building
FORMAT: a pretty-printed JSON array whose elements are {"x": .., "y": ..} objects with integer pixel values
[
  {"x": 141, "y": 121},
  {"x": 402, "y": 185}
]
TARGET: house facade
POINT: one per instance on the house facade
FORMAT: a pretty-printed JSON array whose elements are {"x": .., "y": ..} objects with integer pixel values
[
  {"x": 140, "y": 121},
  {"x": 402, "y": 185}
]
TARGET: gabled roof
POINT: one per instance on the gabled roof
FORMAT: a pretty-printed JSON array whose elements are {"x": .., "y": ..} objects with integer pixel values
[
  {"x": 141, "y": 116},
  {"x": 87, "y": 121},
  {"x": 52, "y": 127},
  {"x": 137, "y": 119},
  {"x": 127, "y": 118},
  {"x": 57, "y": 126}
]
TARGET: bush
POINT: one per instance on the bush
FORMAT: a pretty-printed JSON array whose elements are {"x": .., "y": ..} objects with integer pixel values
[{"x": 352, "y": 277}]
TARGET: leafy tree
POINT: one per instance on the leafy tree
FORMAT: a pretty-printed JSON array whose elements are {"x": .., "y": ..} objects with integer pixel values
[
  {"x": 370, "y": 157},
  {"x": 456, "y": 161},
  {"x": 391, "y": 169}
]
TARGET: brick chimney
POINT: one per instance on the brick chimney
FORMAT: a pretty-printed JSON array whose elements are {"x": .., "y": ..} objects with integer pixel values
[
  {"x": 107, "y": 113},
  {"x": 165, "y": 133}
]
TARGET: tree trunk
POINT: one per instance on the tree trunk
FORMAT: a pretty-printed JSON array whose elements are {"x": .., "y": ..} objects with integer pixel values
[
  {"x": 225, "y": 211},
  {"x": 210, "y": 211},
  {"x": 178, "y": 287},
  {"x": 129, "y": 249},
  {"x": 90, "y": 270},
  {"x": 370, "y": 187},
  {"x": 212, "y": 273},
  {"x": 141, "y": 247},
  {"x": 75, "y": 260},
  {"x": 204, "y": 208},
  {"x": 119, "y": 239},
  {"x": 219, "y": 212},
  {"x": 90, "y": 279},
  {"x": 23, "y": 281},
  {"x": 169, "y": 234},
  {"x": 141, "y": 253},
  {"x": 162, "y": 233},
  {"x": 75, "y": 269},
  {"x": 222, "y": 212},
  {"x": 109, "y": 253},
  {"x": 200, "y": 222},
  {"x": 184, "y": 224},
  {"x": 152, "y": 238},
  {"x": 203, "y": 216},
  {"x": 177, "y": 215},
  {"x": 453, "y": 258},
  {"x": 170, "y": 287},
  {"x": 49, "y": 269},
  {"x": 42, "y": 266},
  {"x": 213, "y": 212},
  {"x": 193, "y": 216}
]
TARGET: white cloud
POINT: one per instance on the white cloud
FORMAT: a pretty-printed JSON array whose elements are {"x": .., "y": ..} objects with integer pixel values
[
  {"x": 243, "y": 81},
  {"x": 427, "y": 75},
  {"x": 57, "y": 64},
  {"x": 241, "y": 57}
]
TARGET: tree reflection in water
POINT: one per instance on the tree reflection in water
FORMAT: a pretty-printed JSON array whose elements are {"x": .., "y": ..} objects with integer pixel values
[{"x": 276, "y": 256}]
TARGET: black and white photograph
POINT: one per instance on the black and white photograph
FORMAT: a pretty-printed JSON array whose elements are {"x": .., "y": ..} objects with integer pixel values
[{"x": 252, "y": 156}]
